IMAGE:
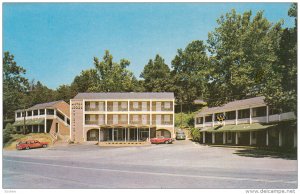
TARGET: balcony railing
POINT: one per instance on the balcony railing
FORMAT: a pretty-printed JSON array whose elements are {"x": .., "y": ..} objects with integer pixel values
[
  {"x": 94, "y": 122},
  {"x": 97, "y": 108},
  {"x": 158, "y": 109},
  {"x": 139, "y": 122},
  {"x": 117, "y": 122},
  {"x": 111, "y": 109}
]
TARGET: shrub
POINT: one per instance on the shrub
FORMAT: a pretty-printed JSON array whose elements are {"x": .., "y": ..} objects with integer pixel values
[
  {"x": 195, "y": 133},
  {"x": 7, "y": 132}
]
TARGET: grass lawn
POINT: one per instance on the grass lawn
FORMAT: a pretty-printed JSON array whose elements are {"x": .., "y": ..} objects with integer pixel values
[{"x": 11, "y": 145}]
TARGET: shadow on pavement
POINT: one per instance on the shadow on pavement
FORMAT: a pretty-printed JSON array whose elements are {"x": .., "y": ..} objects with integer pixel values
[{"x": 260, "y": 153}]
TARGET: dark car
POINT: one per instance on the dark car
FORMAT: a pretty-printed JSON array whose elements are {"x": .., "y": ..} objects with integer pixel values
[
  {"x": 180, "y": 135},
  {"x": 30, "y": 144}
]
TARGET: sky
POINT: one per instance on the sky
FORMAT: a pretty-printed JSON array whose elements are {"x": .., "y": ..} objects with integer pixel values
[{"x": 54, "y": 42}]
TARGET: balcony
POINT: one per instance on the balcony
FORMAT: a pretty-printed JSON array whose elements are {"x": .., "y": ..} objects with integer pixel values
[
  {"x": 140, "y": 122},
  {"x": 117, "y": 122},
  {"x": 94, "y": 122},
  {"x": 96, "y": 108}
]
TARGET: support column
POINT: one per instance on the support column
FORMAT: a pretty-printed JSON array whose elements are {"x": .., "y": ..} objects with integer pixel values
[
  {"x": 295, "y": 138},
  {"x": 203, "y": 121},
  {"x": 236, "y": 117},
  {"x": 213, "y": 137},
  {"x": 250, "y": 138},
  {"x": 213, "y": 119},
  {"x": 203, "y": 137},
  {"x": 31, "y": 128},
  {"x": 149, "y": 134},
  {"x": 280, "y": 138},
  {"x": 224, "y": 137},
  {"x": 45, "y": 126},
  {"x": 137, "y": 134},
  {"x": 267, "y": 137},
  {"x": 236, "y": 138},
  {"x": 39, "y": 128},
  {"x": 267, "y": 111},
  {"x": 125, "y": 133},
  {"x": 250, "y": 118},
  {"x": 113, "y": 134}
]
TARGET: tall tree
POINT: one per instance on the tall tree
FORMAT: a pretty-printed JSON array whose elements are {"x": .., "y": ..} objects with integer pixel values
[
  {"x": 14, "y": 86},
  {"x": 190, "y": 72},
  {"x": 39, "y": 93},
  {"x": 281, "y": 88},
  {"x": 243, "y": 51},
  {"x": 157, "y": 76}
]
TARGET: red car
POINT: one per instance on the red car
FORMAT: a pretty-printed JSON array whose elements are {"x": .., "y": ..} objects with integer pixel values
[
  {"x": 161, "y": 140},
  {"x": 29, "y": 144}
]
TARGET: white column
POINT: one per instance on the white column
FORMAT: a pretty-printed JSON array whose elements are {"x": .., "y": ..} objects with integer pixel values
[
  {"x": 280, "y": 138},
  {"x": 236, "y": 116},
  {"x": 54, "y": 112},
  {"x": 105, "y": 112},
  {"x": 38, "y": 113},
  {"x": 250, "y": 137},
  {"x": 45, "y": 126},
  {"x": 203, "y": 121},
  {"x": 113, "y": 134},
  {"x": 295, "y": 138},
  {"x": 224, "y": 122},
  {"x": 250, "y": 118},
  {"x": 213, "y": 119},
  {"x": 267, "y": 111},
  {"x": 267, "y": 137},
  {"x": 236, "y": 138},
  {"x": 224, "y": 137},
  {"x": 213, "y": 138},
  {"x": 32, "y": 114},
  {"x": 39, "y": 129},
  {"x": 203, "y": 137},
  {"x": 31, "y": 128}
]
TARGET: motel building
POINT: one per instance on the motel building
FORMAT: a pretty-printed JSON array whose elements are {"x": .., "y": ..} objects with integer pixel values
[
  {"x": 121, "y": 118},
  {"x": 247, "y": 122},
  {"x": 50, "y": 117}
]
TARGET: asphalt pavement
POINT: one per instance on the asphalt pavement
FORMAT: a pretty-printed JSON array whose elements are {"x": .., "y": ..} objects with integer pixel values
[{"x": 183, "y": 164}]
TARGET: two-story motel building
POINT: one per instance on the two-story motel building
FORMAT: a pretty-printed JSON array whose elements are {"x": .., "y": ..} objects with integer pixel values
[
  {"x": 50, "y": 117},
  {"x": 121, "y": 117},
  {"x": 247, "y": 122}
]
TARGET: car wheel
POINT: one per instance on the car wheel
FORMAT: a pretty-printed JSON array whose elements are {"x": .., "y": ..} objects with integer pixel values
[
  {"x": 44, "y": 146},
  {"x": 170, "y": 141},
  {"x": 27, "y": 148},
  {"x": 166, "y": 142}
]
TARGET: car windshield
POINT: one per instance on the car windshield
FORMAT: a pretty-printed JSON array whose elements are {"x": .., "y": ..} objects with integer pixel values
[{"x": 21, "y": 142}]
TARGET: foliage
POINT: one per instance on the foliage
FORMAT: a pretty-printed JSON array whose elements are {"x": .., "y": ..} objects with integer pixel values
[
  {"x": 242, "y": 55},
  {"x": 190, "y": 70},
  {"x": 14, "y": 85},
  {"x": 157, "y": 76},
  {"x": 187, "y": 120},
  {"x": 195, "y": 133},
  {"x": 7, "y": 132}
]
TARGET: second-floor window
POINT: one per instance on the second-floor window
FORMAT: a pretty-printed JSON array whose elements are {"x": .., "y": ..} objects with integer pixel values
[
  {"x": 50, "y": 112},
  {"x": 199, "y": 120},
  {"x": 244, "y": 113},
  {"x": 259, "y": 112},
  {"x": 29, "y": 113},
  {"x": 231, "y": 115},
  {"x": 208, "y": 118},
  {"x": 35, "y": 112},
  {"x": 18, "y": 114},
  {"x": 42, "y": 111}
]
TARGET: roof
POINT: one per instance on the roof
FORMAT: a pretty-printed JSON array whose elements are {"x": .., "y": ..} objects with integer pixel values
[
  {"x": 238, "y": 104},
  {"x": 126, "y": 95},
  {"x": 43, "y": 105},
  {"x": 238, "y": 128}
]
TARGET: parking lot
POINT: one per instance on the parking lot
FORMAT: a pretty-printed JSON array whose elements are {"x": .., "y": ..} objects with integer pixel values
[{"x": 183, "y": 164}]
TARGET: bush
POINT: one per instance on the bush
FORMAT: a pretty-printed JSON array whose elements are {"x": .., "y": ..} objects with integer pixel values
[
  {"x": 195, "y": 133},
  {"x": 7, "y": 132},
  {"x": 187, "y": 120}
]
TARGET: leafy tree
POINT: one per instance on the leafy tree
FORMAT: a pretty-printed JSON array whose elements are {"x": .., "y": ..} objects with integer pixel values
[
  {"x": 281, "y": 88},
  {"x": 243, "y": 52},
  {"x": 157, "y": 76},
  {"x": 39, "y": 93},
  {"x": 65, "y": 92},
  {"x": 87, "y": 81},
  {"x": 190, "y": 72},
  {"x": 14, "y": 84}
]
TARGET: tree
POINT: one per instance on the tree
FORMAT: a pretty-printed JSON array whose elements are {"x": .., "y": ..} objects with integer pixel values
[
  {"x": 243, "y": 52},
  {"x": 65, "y": 92},
  {"x": 281, "y": 88},
  {"x": 14, "y": 84},
  {"x": 39, "y": 93},
  {"x": 190, "y": 72},
  {"x": 157, "y": 76}
]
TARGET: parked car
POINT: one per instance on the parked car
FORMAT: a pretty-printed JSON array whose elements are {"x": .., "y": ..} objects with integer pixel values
[
  {"x": 30, "y": 144},
  {"x": 180, "y": 135},
  {"x": 161, "y": 139}
]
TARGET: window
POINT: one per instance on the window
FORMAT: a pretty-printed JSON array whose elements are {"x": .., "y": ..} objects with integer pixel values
[
  {"x": 61, "y": 116},
  {"x": 259, "y": 111},
  {"x": 35, "y": 112},
  {"x": 244, "y": 113},
  {"x": 135, "y": 105},
  {"x": 208, "y": 118},
  {"x": 42, "y": 111},
  {"x": 68, "y": 121},
  {"x": 199, "y": 120},
  {"x": 87, "y": 117},
  {"x": 18, "y": 114},
  {"x": 167, "y": 105},
  {"x": 230, "y": 115},
  {"x": 29, "y": 113},
  {"x": 50, "y": 112}
]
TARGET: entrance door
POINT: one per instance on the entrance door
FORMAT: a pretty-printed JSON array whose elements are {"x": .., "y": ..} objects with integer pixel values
[{"x": 144, "y": 134}]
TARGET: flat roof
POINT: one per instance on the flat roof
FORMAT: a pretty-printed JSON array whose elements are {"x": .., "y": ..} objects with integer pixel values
[
  {"x": 126, "y": 95},
  {"x": 237, "y": 104}
]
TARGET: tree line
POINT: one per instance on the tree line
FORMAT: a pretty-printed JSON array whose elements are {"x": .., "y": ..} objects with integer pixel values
[{"x": 245, "y": 56}]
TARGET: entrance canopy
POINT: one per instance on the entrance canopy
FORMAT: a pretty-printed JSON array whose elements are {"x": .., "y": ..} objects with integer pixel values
[
  {"x": 30, "y": 122},
  {"x": 237, "y": 128}
]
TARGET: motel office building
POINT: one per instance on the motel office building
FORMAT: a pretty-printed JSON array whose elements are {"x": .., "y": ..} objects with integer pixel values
[
  {"x": 247, "y": 122},
  {"x": 121, "y": 117}
]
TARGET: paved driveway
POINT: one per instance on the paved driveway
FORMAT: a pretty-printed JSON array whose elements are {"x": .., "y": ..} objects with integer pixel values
[{"x": 180, "y": 165}]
